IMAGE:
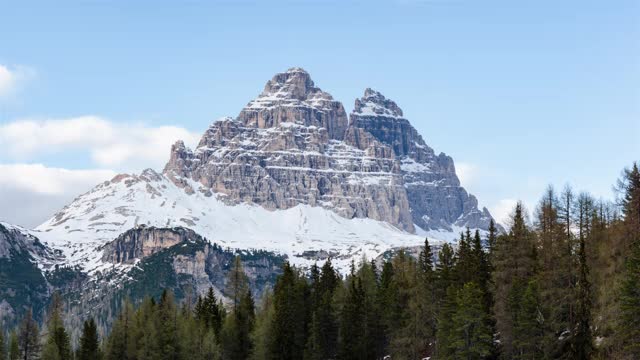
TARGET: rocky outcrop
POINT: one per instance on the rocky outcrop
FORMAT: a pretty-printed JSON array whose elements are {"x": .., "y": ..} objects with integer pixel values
[
  {"x": 180, "y": 259},
  {"x": 291, "y": 146},
  {"x": 436, "y": 199},
  {"x": 142, "y": 241}
]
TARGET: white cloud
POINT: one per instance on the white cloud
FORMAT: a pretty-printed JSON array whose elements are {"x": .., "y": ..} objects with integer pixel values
[
  {"x": 12, "y": 78},
  {"x": 123, "y": 146},
  {"x": 31, "y": 193},
  {"x": 502, "y": 210}
]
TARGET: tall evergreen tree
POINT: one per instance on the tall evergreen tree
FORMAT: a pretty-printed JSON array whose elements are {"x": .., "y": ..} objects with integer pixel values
[
  {"x": 236, "y": 333},
  {"x": 527, "y": 321},
  {"x": 58, "y": 343},
  {"x": 237, "y": 282},
  {"x": 14, "y": 346},
  {"x": 514, "y": 264},
  {"x": 3, "y": 346},
  {"x": 351, "y": 344},
  {"x": 471, "y": 336},
  {"x": 89, "y": 345},
  {"x": 29, "y": 338},
  {"x": 323, "y": 330},
  {"x": 629, "y": 325},
  {"x": 555, "y": 286},
  {"x": 582, "y": 342},
  {"x": 290, "y": 318},
  {"x": 121, "y": 340},
  {"x": 168, "y": 325}
]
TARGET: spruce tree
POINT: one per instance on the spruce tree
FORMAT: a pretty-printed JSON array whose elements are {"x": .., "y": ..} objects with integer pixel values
[
  {"x": 89, "y": 345},
  {"x": 237, "y": 282},
  {"x": 514, "y": 265},
  {"x": 167, "y": 325},
  {"x": 58, "y": 343},
  {"x": 120, "y": 341},
  {"x": 3, "y": 346},
  {"x": 351, "y": 344},
  {"x": 29, "y": 338},
  {"x": 582, "y": 343},
  {"x": 323, "y": 330},
  {"x": 527, "y": 321},
  {"x": 628, "y": 328},
  {"x": 555, "y": 281},
  {"x": 290, "y": 318},
  {"x": 629, "y": 323},
  {"x": 262, "y": 335},
  {"x": 471, "y": 336},
  {"x": 14, "y": 346}
]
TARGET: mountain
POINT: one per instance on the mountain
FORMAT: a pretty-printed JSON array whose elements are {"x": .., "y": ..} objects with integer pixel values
[
  {"x": 290, "y": 178},
  {"x": 292, "y": 174},
  {"x": 23, "y": 262}
]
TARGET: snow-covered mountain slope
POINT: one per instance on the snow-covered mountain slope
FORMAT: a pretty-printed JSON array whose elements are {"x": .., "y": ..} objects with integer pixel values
[
  {"x": 99, "y": 216},
  {"x": 291, "y": 174}
]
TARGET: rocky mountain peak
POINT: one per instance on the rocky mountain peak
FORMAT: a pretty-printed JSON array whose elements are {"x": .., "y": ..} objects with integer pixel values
[
  {"x": 373, "y": 103},
  {"x": 295, "y": 83},
  {"x": 292, "y": 97}
]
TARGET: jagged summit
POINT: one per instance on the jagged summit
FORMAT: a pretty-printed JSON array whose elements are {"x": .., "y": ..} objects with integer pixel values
[
  {"x": 373, "y": 103},
  {"x": 293, "y": 97},
  {"x": 291, "y": 174}
]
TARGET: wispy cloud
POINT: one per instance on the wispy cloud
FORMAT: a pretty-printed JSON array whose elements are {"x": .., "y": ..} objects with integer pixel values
[
  {"x": 113, "y": 145},
  {"x": 13, "y": 78},
  {"x": 31, "y": 193}
]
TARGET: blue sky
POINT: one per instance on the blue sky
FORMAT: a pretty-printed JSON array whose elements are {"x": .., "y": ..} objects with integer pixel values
[{"x": 520, "y": 93}]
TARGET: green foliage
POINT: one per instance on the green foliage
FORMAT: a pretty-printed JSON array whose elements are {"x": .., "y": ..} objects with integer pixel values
[
  {"x": 471, "y": 336},
  {"x": 89, "y": 345},
  {"x": 14, "y": 346}
]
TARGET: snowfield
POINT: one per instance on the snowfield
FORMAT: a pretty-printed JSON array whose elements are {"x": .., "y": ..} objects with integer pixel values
[{"x": 99, "y": 216}]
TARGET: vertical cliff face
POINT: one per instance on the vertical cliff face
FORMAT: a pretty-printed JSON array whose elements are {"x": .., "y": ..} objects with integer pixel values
[
  {"x": 436, "y": 199},
  {"x": 292, "y": 146}
]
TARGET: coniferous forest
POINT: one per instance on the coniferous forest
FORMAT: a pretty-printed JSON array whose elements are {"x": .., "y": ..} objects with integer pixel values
[{"x": 563, "y": 284}]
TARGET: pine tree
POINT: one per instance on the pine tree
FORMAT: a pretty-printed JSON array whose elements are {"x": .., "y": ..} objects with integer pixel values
[
  {"x": 210, "y": 311},
  {"x": 121, "y": 339},
  {"x": 262, "y": 336},
  {"x": 291, "y": 318},
  {"x": 236, "y": 333},
  {"x": 582, "y": 343},
  {"x": 167, "y": 326},
  {"x": 58, "y": 343},
  {"x": 514, "y": 265},
  {"x": 471, "y": 336},
  {"x": 387, "y": 295},
  {"x": 629, "y": 323},
  {"x": 237, "y": 282},
  {"x": 555, "y": 285},
  {"x": 445, "y": 275},
  {"x": 3, "y": 349},
  {"x": 424, "y": 304},
  {"x": 445, "y": 333},
  {"x": 464, "y": 267},
  {"x": 323, "y": 330},
  {"x": 628, "y": 327},
  {"x": 29, "y": 338},
  {"x": 14, "y": 346},
  {"x": 89, "y": 345},
  {"x": 527, "y": 321},
  {"x": 372, "y": 325},
  {"x": 351, "y": 344}
]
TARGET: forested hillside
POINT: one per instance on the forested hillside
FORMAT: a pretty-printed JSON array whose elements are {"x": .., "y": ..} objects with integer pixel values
[{"x": 562, "y": 285}]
